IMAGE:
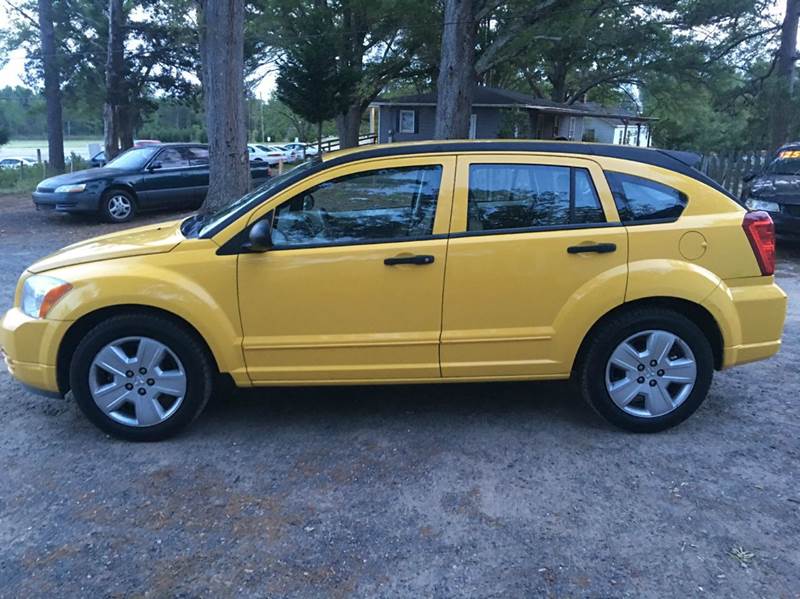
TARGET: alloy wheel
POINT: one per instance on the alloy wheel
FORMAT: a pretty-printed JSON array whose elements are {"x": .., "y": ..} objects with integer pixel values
[
  {"x": 119, "y": 207},
  {"x": 137, "y": 381},
  {"x": 651, "y": 373}
]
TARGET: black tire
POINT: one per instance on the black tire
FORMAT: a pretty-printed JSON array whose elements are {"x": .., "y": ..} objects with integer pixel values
[
  {"x": 112, "y": 214},
  {"x": 591, "y": 369},
  {"x": 183, "y": 343}
]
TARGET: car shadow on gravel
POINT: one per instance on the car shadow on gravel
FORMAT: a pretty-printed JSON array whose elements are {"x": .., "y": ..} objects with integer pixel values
[{"x": 504, "y": 404}]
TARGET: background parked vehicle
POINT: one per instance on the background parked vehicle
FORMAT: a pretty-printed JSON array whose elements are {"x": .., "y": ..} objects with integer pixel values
[
  {"x": 776, "y": 190},
  {"x": 302, "y": 150},
  {"x": 153, "y": 177},
  {"x": 98, "y": 159},
  {"x": 261, "y": 153},
  {"x": 290, "y": 154},
  {"x": 16, "y": 162}
]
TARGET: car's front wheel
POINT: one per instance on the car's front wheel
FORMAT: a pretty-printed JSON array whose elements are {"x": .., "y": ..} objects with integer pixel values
[
  {"x": 141, "y": 377},
  {"x": 646, "y": 369},
  {"x": 117, "y": 206}
]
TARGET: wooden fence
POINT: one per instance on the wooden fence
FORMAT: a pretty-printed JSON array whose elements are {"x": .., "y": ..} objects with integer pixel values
[
  {"x": 729, "y": 169},
  {"x": 329, "y": 145}
]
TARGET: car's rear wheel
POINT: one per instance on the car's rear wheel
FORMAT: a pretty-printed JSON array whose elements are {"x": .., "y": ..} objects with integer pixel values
[
  {"x": 141, "y": 377},
  {"x": 646, "y": 369},
  {"x": 117, "y": 206}
]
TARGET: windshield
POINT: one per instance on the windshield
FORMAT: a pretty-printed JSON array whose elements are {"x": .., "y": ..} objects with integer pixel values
[
  {"x": 787, "y": 163},
  {"x": 198, "y": 225},
  {"x": 133, "y": 159}
]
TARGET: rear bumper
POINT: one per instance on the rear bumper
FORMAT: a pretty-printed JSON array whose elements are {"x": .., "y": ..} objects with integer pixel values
[
  {"x": 29, "y": 348},
  {"x": 751, "y": 314}
]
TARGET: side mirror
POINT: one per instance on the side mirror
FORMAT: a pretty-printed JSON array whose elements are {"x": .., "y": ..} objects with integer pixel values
[
  {"x": 260, "y": 236},
  {"x": 154, "y": 166}
]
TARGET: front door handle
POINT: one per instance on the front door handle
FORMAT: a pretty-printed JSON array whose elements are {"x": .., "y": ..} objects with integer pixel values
[
  {"x": 419, "y": 260},
  {"x": 598, "y": 248}
]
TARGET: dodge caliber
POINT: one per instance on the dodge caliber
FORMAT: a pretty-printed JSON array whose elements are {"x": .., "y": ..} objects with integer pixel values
[{"x": 621, "y": 268}]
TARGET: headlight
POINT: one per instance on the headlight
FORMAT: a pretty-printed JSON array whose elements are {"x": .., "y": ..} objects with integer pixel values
[
  {"x": 754, "y": 204},
  {"x": 71, "y": 188},
  {"x": 40, "y": 293}
]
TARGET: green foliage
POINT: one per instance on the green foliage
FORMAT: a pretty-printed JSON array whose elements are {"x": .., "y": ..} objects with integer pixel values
[
  {"x": 20, "y": 179},
  {"x": 700, "y": 66},
  {"x": 313, "y": 81}
]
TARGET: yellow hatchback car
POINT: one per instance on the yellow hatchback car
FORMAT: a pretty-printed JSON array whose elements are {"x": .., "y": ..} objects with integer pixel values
[{"x": 620, "y": 267}]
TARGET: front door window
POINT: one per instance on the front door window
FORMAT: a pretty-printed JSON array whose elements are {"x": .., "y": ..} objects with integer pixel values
[{"x": 392, "y": 204}]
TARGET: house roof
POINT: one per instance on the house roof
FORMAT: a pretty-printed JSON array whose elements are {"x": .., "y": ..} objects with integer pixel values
[{"x": 493, "y": 97}]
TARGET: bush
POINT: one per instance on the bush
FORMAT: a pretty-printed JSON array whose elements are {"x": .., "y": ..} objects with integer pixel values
[{"x": 20, "y": 179}]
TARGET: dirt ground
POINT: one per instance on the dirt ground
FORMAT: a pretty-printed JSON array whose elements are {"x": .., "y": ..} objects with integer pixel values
[{"x": 427, "y": 491}]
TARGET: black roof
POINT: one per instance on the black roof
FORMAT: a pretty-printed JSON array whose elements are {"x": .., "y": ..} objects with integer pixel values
[{"x": 680, "y": 162}]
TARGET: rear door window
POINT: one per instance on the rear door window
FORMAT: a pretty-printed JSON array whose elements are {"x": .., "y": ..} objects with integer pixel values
[
  {"x": 643, "y": 200},
  {"x": 528, "y": 196}
]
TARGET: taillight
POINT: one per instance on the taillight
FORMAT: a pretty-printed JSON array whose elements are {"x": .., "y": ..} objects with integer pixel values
[{"x": 761, "y": 232}]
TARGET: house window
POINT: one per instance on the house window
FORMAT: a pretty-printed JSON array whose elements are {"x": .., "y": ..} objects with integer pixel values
[
  {"x": 590, "y": 135},
  {"x": 408, "y": 122}
]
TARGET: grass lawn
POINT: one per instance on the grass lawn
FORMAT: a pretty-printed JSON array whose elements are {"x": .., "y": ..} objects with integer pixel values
[{"x": 26, "y": 148}]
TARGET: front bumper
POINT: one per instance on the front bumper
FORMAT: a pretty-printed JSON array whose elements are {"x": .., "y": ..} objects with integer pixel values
[
  {"x": 29, "y": 348},
  {"x": 787, "y": 224},
  {"x": 84, "y": 201},
  {"x": 786, "y": 219}
]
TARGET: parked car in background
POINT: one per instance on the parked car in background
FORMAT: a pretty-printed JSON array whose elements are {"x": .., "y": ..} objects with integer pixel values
[
  {"x": 302, "y": 150},
  {"x": 16, "y": 162},
  {"x": 153, "y": 177},
  {"x": 290, "y": 154},
  {"x": 776, "y": 190},
  {"x": 620, "y": 267},
  {"x": 261, "y": 153},
  {"x": 98, "y": 159}
]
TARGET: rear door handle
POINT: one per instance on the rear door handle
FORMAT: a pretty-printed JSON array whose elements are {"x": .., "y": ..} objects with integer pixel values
[
  {"x": 419, "y": 260},
  {"x": 598, "y": 248}
]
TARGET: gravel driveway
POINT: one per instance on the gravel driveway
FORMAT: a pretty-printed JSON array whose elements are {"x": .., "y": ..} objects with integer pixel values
[{"x": 421, "y": 491}]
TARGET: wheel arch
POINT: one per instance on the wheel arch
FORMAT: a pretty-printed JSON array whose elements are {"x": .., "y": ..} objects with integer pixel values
[
  {"x": 698, "y": 314},
  {"x": 85, "y": 323},
  {"x": 117, "y": 186}
]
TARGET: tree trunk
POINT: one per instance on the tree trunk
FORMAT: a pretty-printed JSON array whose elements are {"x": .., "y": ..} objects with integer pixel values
[
  {"x": 52, "y": 87},
  {"x": 222, "y": 50},
  {"x": 348, "y": 126},
  {"x": 319, "y": 139},
  {"x": 456, "y": 82},
  {"x": 115, "y": 93},
  {"x": 126, "y": 122},
  {"x": 784, "y": 76}
]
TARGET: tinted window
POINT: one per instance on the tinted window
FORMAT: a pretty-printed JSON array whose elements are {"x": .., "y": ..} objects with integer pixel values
[
  {"x": 787, "y": 163},
  {"x": 379, "y": 205},
  {"x": 172, "y": 158},
  {"x": 640, "y": 199},
  {"x": 133, "y": 159},
  {"x": 520, "y": 196},
  {"x": 196, "y": 155}
]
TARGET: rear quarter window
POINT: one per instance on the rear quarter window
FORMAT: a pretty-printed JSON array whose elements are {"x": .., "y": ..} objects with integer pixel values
[{"x": 644, "y": 200}]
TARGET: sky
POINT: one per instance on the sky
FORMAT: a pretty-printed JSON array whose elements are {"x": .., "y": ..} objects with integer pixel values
[{"x": 11, "y": 74}]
